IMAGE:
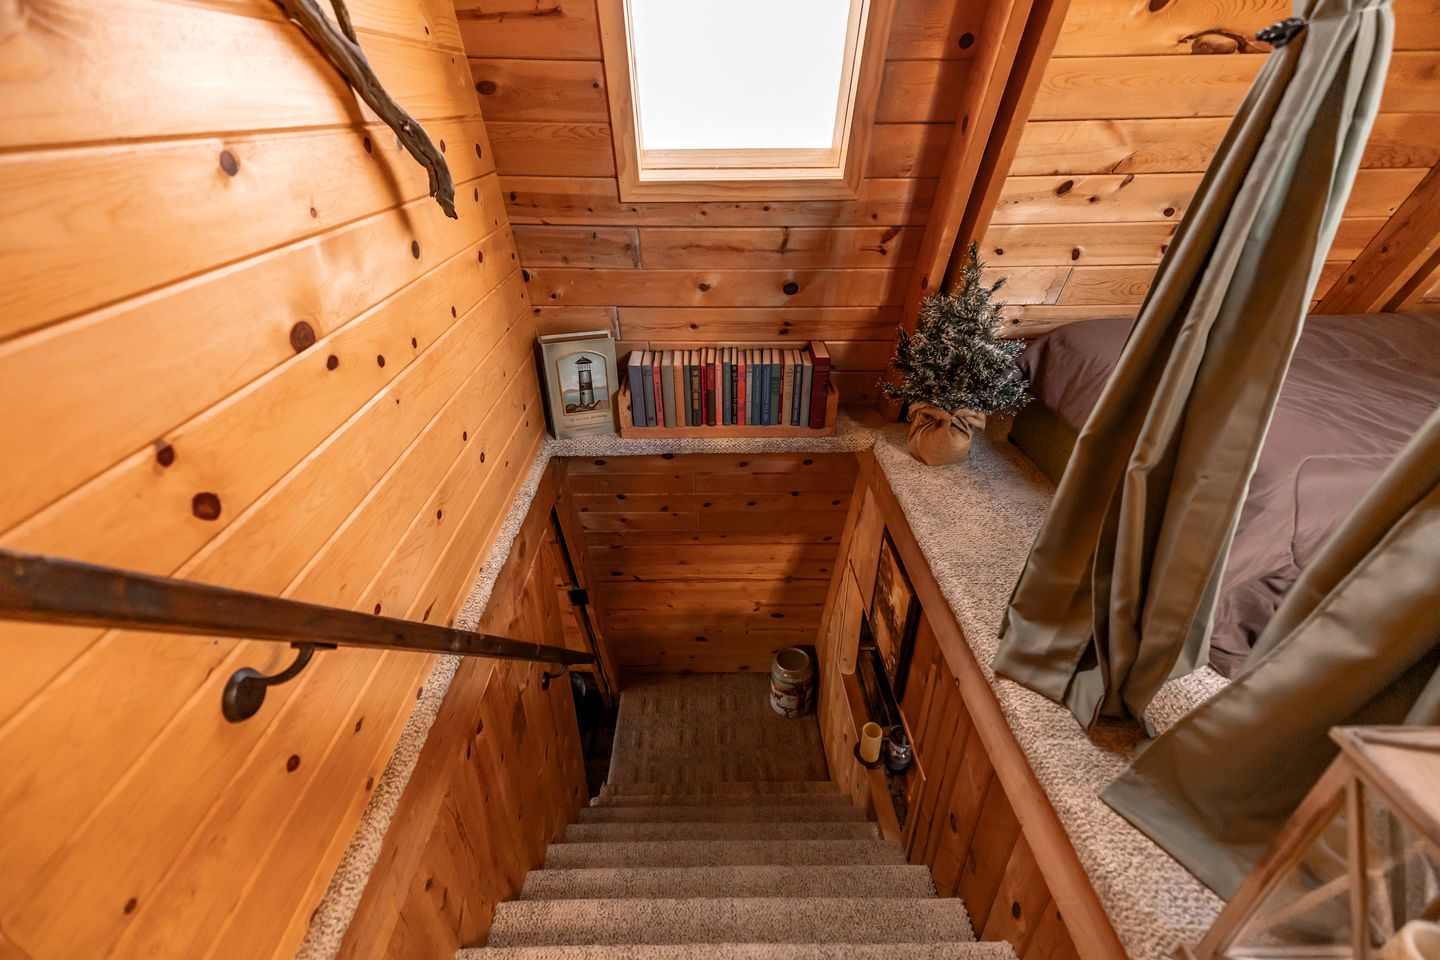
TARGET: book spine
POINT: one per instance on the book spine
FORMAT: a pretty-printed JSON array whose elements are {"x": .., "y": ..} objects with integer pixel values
[
  {"x": 762, "y": 402},
  {"x": 677, "y": 389},
  {"x": 696, "y": 390},
  {"x": 817, "y": 390},
  {"x": 655, "y": 399},
  {"x": 723, "y": 392},
  {"x": 637, "y": 391},
  {"x": 807, "y": 369},
  {"x": 647, "y": 386},
  {"x": 741, "y": 398},
  {"x": 775, "y": 386},
  {"x": 665, "y": 394},
  {"x": 795, "y": 402},
  {"x": 787, "y": 388},
  {"x": 734, "y": 405},
  {"x": 712, "y": 383}
]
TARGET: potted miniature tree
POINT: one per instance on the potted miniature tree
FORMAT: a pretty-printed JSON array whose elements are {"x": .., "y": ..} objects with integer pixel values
[{"x": 955, "y": 370}]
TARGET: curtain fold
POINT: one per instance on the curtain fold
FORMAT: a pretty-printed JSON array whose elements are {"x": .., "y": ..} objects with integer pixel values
[
  {"x": 1356, "y": 641},
  {"x": 1118, "y": 593}
]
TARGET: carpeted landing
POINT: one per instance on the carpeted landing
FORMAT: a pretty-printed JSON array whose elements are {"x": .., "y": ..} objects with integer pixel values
[{"x": 719, "y": 835}]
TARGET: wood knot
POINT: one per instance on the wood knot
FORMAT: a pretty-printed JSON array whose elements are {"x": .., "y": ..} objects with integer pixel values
[
  {"x": 485, "y": 88},
  {"x": 293, "y": 763},
  {"x": 967, "y": 40},
  {"x": 331, "y": 362},
  {"x": 415, "y": 249},
  {"x": 229, "y": 163},
  {"x": 791, "y": 288},
  {"x": 302, "y": 336},
  {"x": 164, "y": 453},
  {"x": 1064, "y": 188},
  {"x": 205, "y": 506}
]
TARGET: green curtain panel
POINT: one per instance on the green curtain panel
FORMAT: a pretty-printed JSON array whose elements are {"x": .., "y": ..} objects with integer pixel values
[
  {"x": 1356, "y": 641},
  {"x": 1119, "y": 590}
]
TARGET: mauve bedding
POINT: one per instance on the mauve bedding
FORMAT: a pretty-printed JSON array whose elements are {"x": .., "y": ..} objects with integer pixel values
[{"x": 1358, "y": 388}]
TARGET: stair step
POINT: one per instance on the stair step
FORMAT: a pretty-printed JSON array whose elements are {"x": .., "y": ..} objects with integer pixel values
[
  {"x": 718, "y": 853},
  {"x": 721, "y": 800},
  {"x": 753, "y": 813},
  {"x": 773, "y": 881},
  {"x": 621, "y": 832},
  {"x": 719, "y": 787},
  {"x": 521, "y": 923},
  {"x": 993, "y": 950}
]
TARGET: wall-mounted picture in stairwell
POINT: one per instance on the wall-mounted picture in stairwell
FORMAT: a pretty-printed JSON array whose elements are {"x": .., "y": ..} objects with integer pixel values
[{"x": 578, "y": 370}]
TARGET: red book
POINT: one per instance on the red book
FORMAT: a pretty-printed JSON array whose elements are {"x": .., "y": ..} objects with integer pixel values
[
  {"x": 740, "y": 411},
  {"x": 817, "y": 388},
  {"x": 711, "y": 381}
]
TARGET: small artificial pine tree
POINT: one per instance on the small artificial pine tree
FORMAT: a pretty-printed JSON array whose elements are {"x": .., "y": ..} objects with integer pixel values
[{"x": 953, "y": 359}]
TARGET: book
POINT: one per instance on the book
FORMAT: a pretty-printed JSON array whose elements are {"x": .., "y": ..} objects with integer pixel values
[
  {"x": 712, "y": 386},
  {"x": 682, "y": 408},
  {"x": 580, "y": 381},
  {"x": 762, "y": 402},
  {"x": 664, "y": 362},
  {"x": 656, "y": 395},
  {"x": 818, "y": 387},
  {"x": 787, "y": 386},
  {"x": 732, "y": 395},
  {"x": 633, "y": 367},
  {"x": 696, "y": 387},
  {"x": 776, "y": 379},
  {"x": 723, "y": 418},
  {"x": 807, "y": 382},
  {"x": 799, "y": 388},
  {"x": 647, "y": 388},
  {"x": 741, "y": 418}
]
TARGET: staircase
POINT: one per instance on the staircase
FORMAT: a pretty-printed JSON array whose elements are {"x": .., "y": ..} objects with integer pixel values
[{"x": 678, "y": 868}]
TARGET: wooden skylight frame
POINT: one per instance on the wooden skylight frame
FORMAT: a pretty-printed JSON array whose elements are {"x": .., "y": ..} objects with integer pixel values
[{"x": 749, "y": 173}]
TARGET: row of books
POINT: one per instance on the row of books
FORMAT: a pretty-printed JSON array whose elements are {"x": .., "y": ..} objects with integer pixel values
[{"x": 729, "y": 386}]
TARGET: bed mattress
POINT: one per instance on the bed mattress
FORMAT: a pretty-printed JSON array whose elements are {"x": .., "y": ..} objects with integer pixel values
[{"x": 1357, "y": 389}]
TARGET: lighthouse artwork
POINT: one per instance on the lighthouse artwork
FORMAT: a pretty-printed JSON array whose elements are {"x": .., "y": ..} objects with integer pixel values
[{"x": 579, "y": 372}]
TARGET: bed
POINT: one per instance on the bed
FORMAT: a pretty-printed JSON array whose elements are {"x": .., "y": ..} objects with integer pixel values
[{"x": 1358, "y": 388}]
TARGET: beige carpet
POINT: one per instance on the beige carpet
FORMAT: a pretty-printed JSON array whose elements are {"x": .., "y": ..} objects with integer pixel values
[{"x": 710, "y": 727}]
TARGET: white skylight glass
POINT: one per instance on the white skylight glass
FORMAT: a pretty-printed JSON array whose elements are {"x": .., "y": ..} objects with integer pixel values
[{"x": 739, "y": 74}]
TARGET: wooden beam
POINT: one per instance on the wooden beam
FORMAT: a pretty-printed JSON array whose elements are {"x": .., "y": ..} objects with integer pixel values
[{"x": 1394, "y": 268}]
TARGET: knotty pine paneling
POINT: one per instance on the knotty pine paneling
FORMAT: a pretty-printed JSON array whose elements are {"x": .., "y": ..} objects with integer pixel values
[
  {"x": 722, "y": 266},
  {"x": 708, "y": 562},
  {"x": 1131, "y": 108},
  {"x": 499, "y": 778},
  {"x": 239, "y": 345}
]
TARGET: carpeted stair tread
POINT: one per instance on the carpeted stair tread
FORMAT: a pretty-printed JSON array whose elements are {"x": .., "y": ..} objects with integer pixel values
[
  {"x": 749, "y": 813},
  {"x": 727, "y": 920},
  {"x": 772, "y": 881},
  {"x": 623, "y": 832},
  {"x": 752, "y": 951},
  {"x": 721, "y": 788},
  {"x": 706, "y": 853}
]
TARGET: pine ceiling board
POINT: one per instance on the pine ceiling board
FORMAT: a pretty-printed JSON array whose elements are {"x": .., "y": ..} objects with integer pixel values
[
  {"x": 530, "y": 29},
  {"x": 1161, "y": 196},
  {"x": 719, "y": 288},
  {"x": 1178, "y": 27},
  {"x": 1087, "y": 88},
  {"x": 596, "y": 200},
  {"x": 564, "y": 91},
  {"x": 698, "y": 324},
  {"x": 282, "y": 82},
  {"x": 883, "y": 247},
  {"x": 926, "y": 30},
  {"x": 908, "y": 149},
  {"x": 544, "y": 246},
  {"x": 1182, "y": 145},
  {"x": 124, "y": 242},
  {"x": 921, "y": 91},
  {"x": 548, "y": 149}
]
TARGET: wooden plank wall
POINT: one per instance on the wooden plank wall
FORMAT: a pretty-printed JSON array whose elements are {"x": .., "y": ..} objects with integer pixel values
[
  {"x": 238, "y": 344},
  {"x": 978, "y": 818},
  {"x": 711, "y": 271},
  {"x": 1130, "y": 110},
  {"x": 708, "y": 562},
  {"x": 499, "y": 778}
]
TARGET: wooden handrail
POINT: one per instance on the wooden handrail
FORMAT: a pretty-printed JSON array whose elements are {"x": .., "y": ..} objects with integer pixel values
[{"x": 51, "y": 590}]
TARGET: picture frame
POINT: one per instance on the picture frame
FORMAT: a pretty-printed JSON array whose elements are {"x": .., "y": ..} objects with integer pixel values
[
  {"x": 580, "y": 380},
  {"x": 894, "y": 616}
]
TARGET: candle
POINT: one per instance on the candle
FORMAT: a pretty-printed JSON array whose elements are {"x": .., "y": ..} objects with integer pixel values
[{"x": 870, "y": 742}]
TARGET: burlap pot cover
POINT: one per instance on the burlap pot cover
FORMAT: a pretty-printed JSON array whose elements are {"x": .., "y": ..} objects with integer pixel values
[{"x": 939, "y": 436}]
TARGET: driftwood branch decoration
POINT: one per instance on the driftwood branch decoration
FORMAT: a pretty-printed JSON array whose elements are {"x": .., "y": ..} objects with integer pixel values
[{"x": 342, "y": 48}]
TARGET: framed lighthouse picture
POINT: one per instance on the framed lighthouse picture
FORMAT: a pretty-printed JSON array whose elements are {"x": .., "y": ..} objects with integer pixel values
[{"x": 580, "y": 382}]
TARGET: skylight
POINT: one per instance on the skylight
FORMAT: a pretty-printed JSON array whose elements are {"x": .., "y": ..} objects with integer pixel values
[
  {"x": 754, "y": 99},
  {"x": 740, "y": 74}
]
